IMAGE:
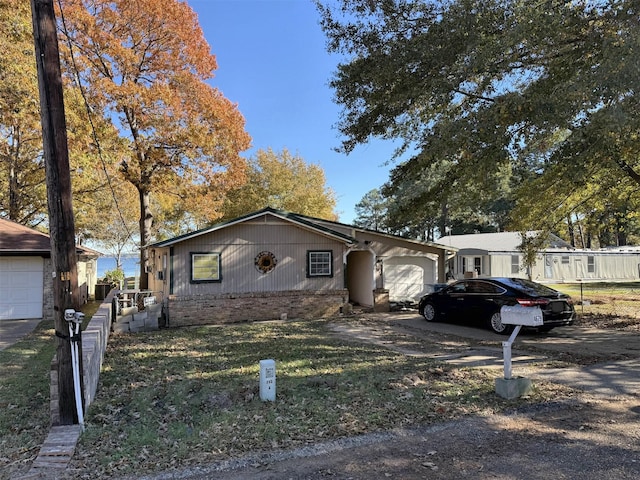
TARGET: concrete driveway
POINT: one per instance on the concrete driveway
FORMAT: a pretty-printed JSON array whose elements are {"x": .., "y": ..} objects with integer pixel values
[
  {"x": 13, "y": 330},
  {"x": 611, "y": 358}
]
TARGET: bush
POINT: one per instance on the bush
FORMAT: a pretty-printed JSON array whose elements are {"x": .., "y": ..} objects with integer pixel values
[{"x": 114, "y": 277}]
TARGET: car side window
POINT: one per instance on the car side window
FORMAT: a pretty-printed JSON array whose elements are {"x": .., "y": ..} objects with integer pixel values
[
  {"x": 458, "y": 288},
  {"x": 484, "y": 288}
]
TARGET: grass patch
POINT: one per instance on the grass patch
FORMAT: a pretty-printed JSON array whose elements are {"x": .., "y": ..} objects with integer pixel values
[
  {"x": 190, "y": 396},
  {"x": 24, "y": 398},
  {"x": 598, "y": 288}
]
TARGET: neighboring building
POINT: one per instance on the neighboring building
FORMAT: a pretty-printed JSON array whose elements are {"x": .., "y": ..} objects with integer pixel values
[
  {"x": 273, "y": 264},
  {"x": 497, "y": 255},
  {"x": 26, "y": 286}
]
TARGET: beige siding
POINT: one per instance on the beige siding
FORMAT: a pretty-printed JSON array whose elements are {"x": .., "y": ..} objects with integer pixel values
[{"x": 238, "y": 246}]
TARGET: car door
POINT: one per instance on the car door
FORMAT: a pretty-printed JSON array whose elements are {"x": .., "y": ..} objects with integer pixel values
[
  {"x": 483, "y": 299},
  {"x": 457, "y": 301}
]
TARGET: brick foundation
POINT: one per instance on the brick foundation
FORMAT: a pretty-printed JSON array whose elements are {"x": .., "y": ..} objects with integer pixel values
[{"x": 231, "y": 308}]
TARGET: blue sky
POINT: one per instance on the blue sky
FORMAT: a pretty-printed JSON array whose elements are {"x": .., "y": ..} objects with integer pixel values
[{"x": 273, "y": 62}]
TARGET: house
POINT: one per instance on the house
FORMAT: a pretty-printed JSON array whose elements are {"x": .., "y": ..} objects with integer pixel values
[
  {"x": 26, "y": 286},
  {"x": 273, "y": 264},
  {"x": 498, "y": 255}
]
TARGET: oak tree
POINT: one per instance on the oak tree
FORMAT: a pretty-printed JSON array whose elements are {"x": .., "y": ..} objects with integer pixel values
[
  {"x": 547, "y": 89},
  {"x": 145, "y": 64},
  {"x": 283, "y": 181}
]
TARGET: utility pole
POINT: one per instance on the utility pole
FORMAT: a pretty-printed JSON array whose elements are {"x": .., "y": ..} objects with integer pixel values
[{"x": 58, "y": 177}]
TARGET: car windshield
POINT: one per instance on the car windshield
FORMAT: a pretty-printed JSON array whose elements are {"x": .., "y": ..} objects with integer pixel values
[{"x": 529, "y": 287}]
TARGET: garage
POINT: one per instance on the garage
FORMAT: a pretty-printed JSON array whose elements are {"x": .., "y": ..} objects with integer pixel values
[
  {"x": 21, "y": 284},
  {"x": 409, "y": 277}
]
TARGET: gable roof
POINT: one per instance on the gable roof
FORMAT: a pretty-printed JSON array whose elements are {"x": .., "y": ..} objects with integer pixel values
[
  {"x": 321, "y": 226},
  {"x": 304, "y": 222},
  {"x": 496, "y": 242},
  {"x": 17, "y": 239},
  {"x": 356, "y": 229}
]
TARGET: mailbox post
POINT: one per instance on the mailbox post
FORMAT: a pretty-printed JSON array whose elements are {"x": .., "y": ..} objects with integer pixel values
[{"x": 519, "y": 316}]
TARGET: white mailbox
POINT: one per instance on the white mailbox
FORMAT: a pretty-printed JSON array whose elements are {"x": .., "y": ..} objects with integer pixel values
[{"x": 519, "y": 315}]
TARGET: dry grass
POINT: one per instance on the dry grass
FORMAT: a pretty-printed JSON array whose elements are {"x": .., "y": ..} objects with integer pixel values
[{"x": 190, "y": 396}]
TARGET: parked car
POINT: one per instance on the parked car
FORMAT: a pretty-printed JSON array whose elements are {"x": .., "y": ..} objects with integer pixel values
[{"x": 480, "y": 299}]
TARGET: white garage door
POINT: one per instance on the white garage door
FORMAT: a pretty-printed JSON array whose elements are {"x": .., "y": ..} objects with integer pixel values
[
  {"x": 21, "y": 287},
  {"x": 408, "y": 277}
]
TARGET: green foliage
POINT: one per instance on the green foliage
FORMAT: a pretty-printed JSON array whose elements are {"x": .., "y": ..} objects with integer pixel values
[
  {"x": 532, "y": 243},
  {"x": 283, "y": 181},
  {"x": 536, "y": 96},
  {"x": 371, "y": 211},
  {"x": 115, "y": 276}
]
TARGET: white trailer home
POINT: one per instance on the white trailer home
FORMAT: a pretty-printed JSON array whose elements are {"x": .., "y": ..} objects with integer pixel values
[{"x": 497, "y": 255}]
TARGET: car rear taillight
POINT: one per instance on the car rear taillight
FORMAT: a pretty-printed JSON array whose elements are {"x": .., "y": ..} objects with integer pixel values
[{"x": 533, "y": 302}]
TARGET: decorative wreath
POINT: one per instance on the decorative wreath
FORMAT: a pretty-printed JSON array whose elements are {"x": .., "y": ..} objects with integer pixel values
[{"x": 265, "y": 262}]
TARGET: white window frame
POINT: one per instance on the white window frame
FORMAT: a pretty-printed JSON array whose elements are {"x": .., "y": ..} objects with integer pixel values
[
  {"x": 319, "y": 263},
  {"x": 515, "y": 263}
]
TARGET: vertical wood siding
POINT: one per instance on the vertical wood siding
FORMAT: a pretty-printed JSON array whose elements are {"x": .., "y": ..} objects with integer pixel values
[{"x": 238, "y": 246}]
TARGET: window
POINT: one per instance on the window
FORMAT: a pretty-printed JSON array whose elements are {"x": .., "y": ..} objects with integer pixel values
[
  {"x": 515, "y": 263},
  {"x": 565, "y": 260},
  {"x": 482, "y": 287},
  {"x": 591, "y": 264},
  {"x": 319, "y": 263},
  {"x": 205, "y": 267}
]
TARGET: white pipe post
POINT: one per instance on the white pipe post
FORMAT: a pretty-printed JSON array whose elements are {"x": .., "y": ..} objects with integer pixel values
[
  {"x": 74, "y": 330},
  {"x": 506, "y": 351}
]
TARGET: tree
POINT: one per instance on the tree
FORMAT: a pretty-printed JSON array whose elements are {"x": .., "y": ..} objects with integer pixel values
[
  {"x": 144, "y": 64},
  {"x": 545, "y": 88},
  {"x": 22, "y": 177},
  {"x": 371, "y": 211},
  {"x": 531, "y": 244},
  {"x": 282, "y": 181}
]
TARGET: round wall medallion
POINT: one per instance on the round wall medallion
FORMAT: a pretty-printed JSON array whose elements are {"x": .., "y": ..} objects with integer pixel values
[{"x": 265, "y": 262}]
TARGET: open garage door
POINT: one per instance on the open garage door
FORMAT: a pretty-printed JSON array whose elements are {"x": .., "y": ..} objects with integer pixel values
[{"x": 21, "y": 287}]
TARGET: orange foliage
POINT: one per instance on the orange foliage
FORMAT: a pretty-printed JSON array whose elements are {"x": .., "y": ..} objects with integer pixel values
[{"x": 145, "y": 65}]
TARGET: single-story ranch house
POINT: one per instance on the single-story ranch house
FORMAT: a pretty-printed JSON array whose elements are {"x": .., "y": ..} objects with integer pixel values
[
  {"x": 272, "y": 264},
  {"x": 497, "y": 255},
  {"x": 26, "y": 285}
]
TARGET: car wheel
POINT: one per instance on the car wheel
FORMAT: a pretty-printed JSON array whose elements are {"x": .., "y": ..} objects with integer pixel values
[
  {"x": 495, "y": 323},
  {"x": 429, "y": 312}
]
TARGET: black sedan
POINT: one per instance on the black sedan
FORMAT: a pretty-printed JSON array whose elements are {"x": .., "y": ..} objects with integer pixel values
[{"x": 480, "y": 299}]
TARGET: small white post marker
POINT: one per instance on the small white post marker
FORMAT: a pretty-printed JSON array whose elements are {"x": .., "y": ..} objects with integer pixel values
[{"x": 268, "y": 380}]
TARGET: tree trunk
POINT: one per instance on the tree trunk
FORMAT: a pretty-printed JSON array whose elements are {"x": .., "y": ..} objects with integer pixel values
[
  {"x": 146, "y": 222},
  {"x": 571, "y": 232}
]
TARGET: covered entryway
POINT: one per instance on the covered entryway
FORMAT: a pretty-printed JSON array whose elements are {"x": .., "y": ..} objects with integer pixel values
[
  {"x": 21, "y": 287},
  {"x": 361, "y": 277}
]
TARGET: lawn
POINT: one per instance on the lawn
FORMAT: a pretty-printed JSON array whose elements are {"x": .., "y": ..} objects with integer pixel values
[
  {"x": 24, "y": 398},
  {"x": 190, "y": 396},
  {"x": 609, "y": 305}
]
